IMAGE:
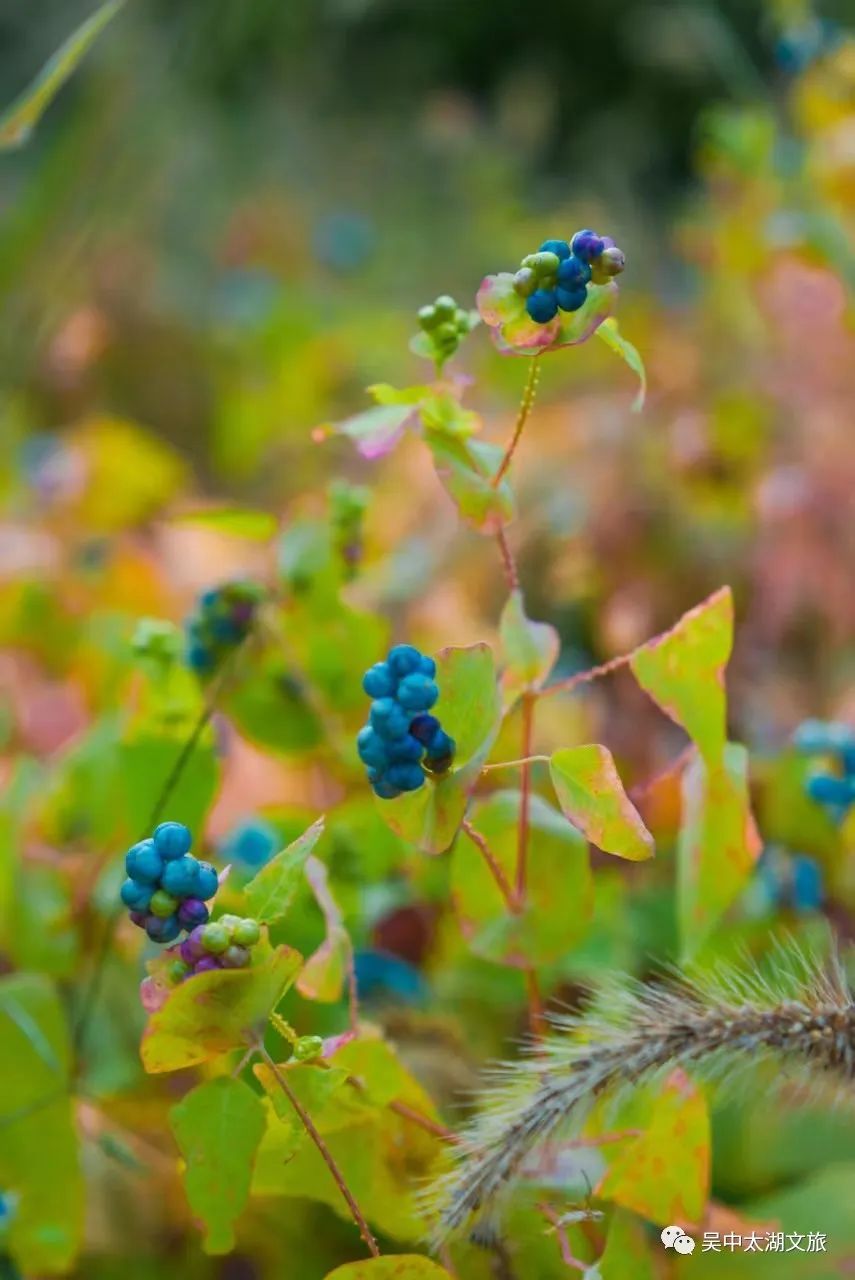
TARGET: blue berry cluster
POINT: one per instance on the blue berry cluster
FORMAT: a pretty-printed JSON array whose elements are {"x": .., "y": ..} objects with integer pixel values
[
  {"x": 167, "y": 887},
  {"x": 790, "y": 880},
  {"x": 223, "y": 618},
  {"x": 833, "y": 784},
  {"x": 557, "y": 276},
  {"x": 401, "y": 740}
]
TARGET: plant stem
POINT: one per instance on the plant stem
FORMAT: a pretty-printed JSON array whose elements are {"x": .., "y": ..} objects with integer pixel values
[
  {"x": 536, "y": 1017},
  {"x": 585, "y": 677},
  {"x": 509, "y": 564},
  {"x": 494, "y": 865},
  {"x": 324, "y": 1151},
  {"x": 424, "y": 1122},
  {"x": 515, "y": 764},
  {"x": 528, "y": 700},
  {"x": 526, "y": 404},
  {"x": 561, "y": 1235}
]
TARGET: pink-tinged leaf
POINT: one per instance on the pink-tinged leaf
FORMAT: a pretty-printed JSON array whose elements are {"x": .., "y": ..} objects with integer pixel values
[
  {"x": 517, "y": 334},
  {"x": 664, "y": 1175},
  {"x": 718, "y": 844},
  {"x": 683, "y": 671},
  {"x": 469, "y": 709},
  {"x": 213, "y": 1012},
  {"x": 529, "y": 649},
  {"x": 376, "y": 431},
  {"x": 218, "y": 1127},
  {"x": 402, "y": 1266},
  {"x": 324, "y": 973},
  {"x": 592, "y": 796}
]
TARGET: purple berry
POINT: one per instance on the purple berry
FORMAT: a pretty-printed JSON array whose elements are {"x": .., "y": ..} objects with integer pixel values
[
  {"x": 162, "y": 929},
  {"x": 587, "y": 245},
  {"x": 192, "y": 913},
  {"x": 207, "y": 964},
  {"x": 424, "y": 727},
  {"x": 138, "y": 918}
]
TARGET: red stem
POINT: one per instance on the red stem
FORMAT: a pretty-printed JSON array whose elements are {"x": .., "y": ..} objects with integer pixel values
[{"x": 494, "y": 865}]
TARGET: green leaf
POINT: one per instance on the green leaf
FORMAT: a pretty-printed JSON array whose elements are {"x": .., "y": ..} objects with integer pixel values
[
  {"x": 627, "y": 1251},
  {"x": 269, "y": 707},
  {"x": 683, "y": 671},
  {"x": 718, "y": 844},
  {"x": 324, "y": 973},
  {"x": 591, "y": 795},
  {"x": 39, "y": 1156},
  {"x": 612, "y": 337},
  {"x": 146, "y": 760},
  {"x": 18, "y": 122},
  {"x": 385, "y": 393},
  {"x": 217, "y": 1011},
  {"x": 402, "y": 1266},
  {"x": 559, "y": 888},
  {"x": 271, "y": 893},
  {"x": 237, "y": 522},
  {"x": 218, "y": 1127},
  {"x": 469, "y": 708},
  {"x": 529, "y": 649},
  {"x": 466, "y": 469},
  {"x": 664, "y": 1175},
  {"x": 324, "y": 1093},
  {"x": 443, "y": 414}
]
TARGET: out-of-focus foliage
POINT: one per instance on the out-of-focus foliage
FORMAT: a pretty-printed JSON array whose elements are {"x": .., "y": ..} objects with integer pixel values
[{"x": 218, "y": 236}]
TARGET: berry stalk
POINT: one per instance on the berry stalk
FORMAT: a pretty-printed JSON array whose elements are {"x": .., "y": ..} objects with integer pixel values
[{"x": 526, "y": 405}]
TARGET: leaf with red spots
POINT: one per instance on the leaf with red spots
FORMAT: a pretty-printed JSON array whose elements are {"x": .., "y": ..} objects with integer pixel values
[
  {"x": 591, "y": 795},
  {"x": 664, "y": 1174}
]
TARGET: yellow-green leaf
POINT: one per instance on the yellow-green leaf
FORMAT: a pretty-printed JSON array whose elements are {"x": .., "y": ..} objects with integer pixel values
[
  {"x": 402, "y": 1266},
  {"x": 611, "y": 335},
  {"x": 18, "y": 122},
  {"x": 591, "y": 795},
  {"x": 664, "y": 1175},
  {"x": 559, "y": 889},
  {"x": 466, "y": 468},
  {"x": 214, "y": 1012},
  {"x": 469, "y": 708},
  {"x": 237, "y": 522},
  {"x": 529, "y": 649},
  {"x": 683, "y": 671},
  {"x": 271, "y": 893},
  {"x": 218, "y": 1127},
  {"x": 627, "y": 1251},
  {"x": 718, "y": 844}
]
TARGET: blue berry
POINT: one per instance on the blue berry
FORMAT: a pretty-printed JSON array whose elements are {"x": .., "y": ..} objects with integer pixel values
[
  {"x": 181, "y": 876},
  {"x": 417, "y": 692},
  {"x": 407, "y": 748},
  {"x": 385, "y": 790},
  {"x": 571, "y": 299},
  {"x": 542, "y": 305},
  {"x": 559, "y": 247},
  {"x": 379, "y": 682},
  {"x": 573, "y": 272},
  {"x": 402, "y": 659},
  {"x": 388, "y": 719},
  {"x": 405, "y": 776},
  {"x": 136, "y": 896},
  {"x": 813, "y": 737},
  {"x": 144, "y": 863},
  {"x": 828, "y": 789},
  {"x": 807, "y": 884},
  {"x": 424, "y": 727},
  {"x": 427, "y": 666},
  {"x": 199, "y": 658},
  {"x": 192, "y": 913},
  {"x": 162, "y": 930},
  {"x": 172, "y": 840},
  {"x": 206, "y": 882},
  {"x": 587, "y": 245},
  {"x": 371, "y": 748}
]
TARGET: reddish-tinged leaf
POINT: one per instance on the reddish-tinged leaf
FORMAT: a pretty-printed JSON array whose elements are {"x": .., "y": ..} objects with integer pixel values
[
  {"x": 591, "y": 795},
  {"x": 664, "y": 1174},
  {"x": 718, "y": 844},
  {"x": 683, "y": 671},
  {"x": 466, "y": 468}
]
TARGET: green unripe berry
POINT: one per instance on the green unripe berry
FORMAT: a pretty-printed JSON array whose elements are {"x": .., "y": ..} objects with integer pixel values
[
  {"x": 177, "y": 972},
  {"x": 525, "y": 281},
  {"x": 228, "y": 921},
  {"x": 446, "y": 332},
  {"x": 308, "y": 1047},
  {"x": 235, "y": 958},
  {"x": 246, "y": 933},
  {"x": 445, "y": 307},
  {"x": 163, "y": 904},
  {"x": 215, "y": 938},
  {"x": 428, "y": 319},
  {"x": 462, "y": 321},
  {"x": 542, "y": 264}
]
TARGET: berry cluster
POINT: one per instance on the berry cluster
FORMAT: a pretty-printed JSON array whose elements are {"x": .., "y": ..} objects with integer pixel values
[
  {"x": 401, "y": 740},
  {"x": 225, "y": 943},
  {"x": 223, "y": 618},
  {"x": 445, "y": 326},
  {"x": 167, "y": 887},
  {"x": 834, "y": 785},
  {"x": 348, "y": 504},
  {"x": 557, "y": 276}
]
